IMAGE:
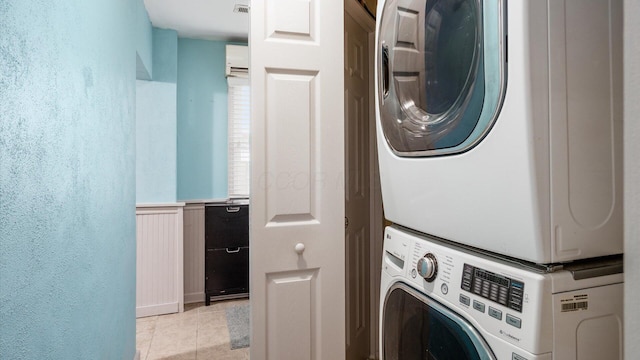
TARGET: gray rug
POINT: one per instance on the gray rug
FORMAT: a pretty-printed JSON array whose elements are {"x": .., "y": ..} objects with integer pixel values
[{"x": 238, "y": 324}]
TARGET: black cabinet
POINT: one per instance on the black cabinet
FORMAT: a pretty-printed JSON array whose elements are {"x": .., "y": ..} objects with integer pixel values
[{"x": 226, "y": 251}]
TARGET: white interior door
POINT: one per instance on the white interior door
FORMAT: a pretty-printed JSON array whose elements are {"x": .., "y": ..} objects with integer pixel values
[
  {"x": 297, "y": 180},
  {"x": 357, "y": 190}
]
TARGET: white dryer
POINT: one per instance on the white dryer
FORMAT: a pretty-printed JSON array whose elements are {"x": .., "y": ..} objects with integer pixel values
[
  {"x": 442, "y": 302},
  {"x": 500, "y": 127}
]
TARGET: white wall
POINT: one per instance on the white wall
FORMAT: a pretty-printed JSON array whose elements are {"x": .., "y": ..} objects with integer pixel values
[{"x": 632, "y": 177}]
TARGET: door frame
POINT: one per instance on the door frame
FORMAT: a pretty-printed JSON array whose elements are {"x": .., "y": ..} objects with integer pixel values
[{"x": 376, "y": 216}]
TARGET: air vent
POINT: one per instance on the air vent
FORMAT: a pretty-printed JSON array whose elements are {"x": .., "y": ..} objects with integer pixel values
[{"x": 240, "y": 8}]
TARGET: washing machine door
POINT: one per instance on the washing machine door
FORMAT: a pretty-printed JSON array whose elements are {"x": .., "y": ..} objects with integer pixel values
[
  {"x": 416, "y": 327},
  {"x": 441, "y": 73}
]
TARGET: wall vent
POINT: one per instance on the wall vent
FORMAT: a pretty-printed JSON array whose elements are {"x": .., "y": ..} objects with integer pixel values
[{"x": 240, "y": 8}]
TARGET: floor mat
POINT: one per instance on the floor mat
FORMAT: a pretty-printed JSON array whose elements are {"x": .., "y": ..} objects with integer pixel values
[{"x": 238, "y": 323}]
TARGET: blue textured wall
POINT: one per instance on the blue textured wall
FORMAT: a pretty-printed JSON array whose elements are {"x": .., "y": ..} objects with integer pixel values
[
  {"x": 156, "y": 123},
  {"x": 67, "y": 179},
  {"x": 202, "y": 120},
  {"x": 165, "y": 55},
  {"x": 155, "y": 142},
  {"x": 144, "y": 43}
]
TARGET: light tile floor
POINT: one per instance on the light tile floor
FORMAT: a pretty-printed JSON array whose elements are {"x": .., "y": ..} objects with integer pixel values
[{"x": 200, "y": 332}]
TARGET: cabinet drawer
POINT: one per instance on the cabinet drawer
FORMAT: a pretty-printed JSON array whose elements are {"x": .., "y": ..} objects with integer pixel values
[
  {"x": 227, "y": 271},
  {"x": 226, "y": 226}
]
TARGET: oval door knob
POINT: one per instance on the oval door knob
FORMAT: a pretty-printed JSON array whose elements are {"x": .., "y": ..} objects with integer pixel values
[{"x": 299, "y": 248}]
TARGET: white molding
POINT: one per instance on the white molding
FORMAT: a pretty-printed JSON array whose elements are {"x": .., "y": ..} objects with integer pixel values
[
  {"x": 203, "y": 201},
  {"x": 149, "y": 211},
  {"x": 159, "y": 205},
  {"x": 194, "y": 206},
  {"x": 151, "y": 310}
]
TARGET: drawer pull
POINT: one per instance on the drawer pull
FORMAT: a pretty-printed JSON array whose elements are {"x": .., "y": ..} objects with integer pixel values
[
  {"x": 233, "y": 251},
  {"x": 233, "y": 209}
]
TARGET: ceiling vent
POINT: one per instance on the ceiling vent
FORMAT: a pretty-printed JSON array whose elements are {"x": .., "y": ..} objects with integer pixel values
[{"x": 240, "y": 8}]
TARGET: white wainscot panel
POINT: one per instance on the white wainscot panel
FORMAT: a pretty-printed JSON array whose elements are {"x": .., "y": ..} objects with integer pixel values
[{"x": 159, "y": 260}]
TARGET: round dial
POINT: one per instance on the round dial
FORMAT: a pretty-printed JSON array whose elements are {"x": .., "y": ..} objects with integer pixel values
[{"x": 428, "y": 267}]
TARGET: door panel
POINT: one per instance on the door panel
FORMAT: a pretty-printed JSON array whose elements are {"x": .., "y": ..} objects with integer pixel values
[
  {"x": 292, "y": 296},
  {"x": 357, "y": 190},
  {"x": 297, "y": 182},
  {"x": 291, "y": 142}
]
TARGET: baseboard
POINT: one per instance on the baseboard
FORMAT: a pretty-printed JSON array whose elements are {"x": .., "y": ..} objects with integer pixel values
[
  {"x": 143, "y": 311},
  {"x": 137, "y": 355},
  {"x": 194, "y": 298}
]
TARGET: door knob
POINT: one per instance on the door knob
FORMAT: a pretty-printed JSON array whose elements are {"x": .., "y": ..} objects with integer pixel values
[
  {"x": 346, "y": 222},
  {"x": 299, "y": 248}
]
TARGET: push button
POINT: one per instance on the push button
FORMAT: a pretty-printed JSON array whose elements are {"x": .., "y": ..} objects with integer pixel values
[
  {"x": 478, "y": 306},
  {"x": 445, "y": 289},
  {"x": 465, "y": 300},
  {"x": 514, "y": 321},
  {"x": 495, "y": 313}
]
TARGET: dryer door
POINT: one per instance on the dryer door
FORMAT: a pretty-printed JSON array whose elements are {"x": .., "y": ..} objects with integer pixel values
[
  {"x": 417, "y": 327},
  {"x": 441, "y": 74}
]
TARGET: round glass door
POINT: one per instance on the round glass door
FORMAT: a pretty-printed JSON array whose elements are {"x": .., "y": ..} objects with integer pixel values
[
  {"x": 418, "y": 328},
  {"x": 437, "y": 76}
]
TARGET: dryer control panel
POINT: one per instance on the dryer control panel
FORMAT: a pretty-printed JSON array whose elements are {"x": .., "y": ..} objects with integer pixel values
[{"x": 501, "y": 289}]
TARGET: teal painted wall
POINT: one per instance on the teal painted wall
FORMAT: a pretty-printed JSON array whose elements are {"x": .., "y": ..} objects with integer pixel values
[
  {"x": 202, "y": 120},
  {"x": 155, "y": 142},
  {"x": 67, "y": 179},
  {"x": 144, "y": 43},
  {"x": 156, "y": 174},
  {"x": 165, "y": 55}
]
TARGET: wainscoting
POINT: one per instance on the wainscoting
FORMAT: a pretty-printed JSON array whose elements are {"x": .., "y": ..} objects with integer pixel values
[
  {"x": 160, "y": 261},
  {"x": 194, "y": 253}
]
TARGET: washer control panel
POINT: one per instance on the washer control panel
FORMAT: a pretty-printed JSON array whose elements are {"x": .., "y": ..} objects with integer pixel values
[
  {"x": 501, "y": 289},
  {"x": 488, "y": 292}
]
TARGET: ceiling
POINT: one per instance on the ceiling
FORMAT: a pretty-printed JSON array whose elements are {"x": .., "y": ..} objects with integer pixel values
[{"x": 200, "y": 19}]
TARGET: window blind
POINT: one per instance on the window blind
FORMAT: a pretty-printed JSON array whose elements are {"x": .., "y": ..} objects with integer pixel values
[{"x": 238, "y": 139}]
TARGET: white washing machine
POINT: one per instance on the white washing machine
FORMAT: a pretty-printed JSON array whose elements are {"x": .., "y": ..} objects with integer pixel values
[
  {"x": 443, "y": 302},
  {"x": 500, "y": 127}
]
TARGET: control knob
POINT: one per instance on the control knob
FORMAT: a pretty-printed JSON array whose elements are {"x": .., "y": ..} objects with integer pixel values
[{"x": 428, "y": 267}]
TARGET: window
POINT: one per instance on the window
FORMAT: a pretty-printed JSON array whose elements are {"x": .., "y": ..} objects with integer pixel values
[{"x": 239, "y": 130}]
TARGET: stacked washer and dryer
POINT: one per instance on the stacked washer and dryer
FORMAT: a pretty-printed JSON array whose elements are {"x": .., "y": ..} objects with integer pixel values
[{"x": 499, "y": 130}]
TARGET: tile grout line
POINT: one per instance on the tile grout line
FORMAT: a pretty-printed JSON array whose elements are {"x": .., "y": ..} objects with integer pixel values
[
  {"x": 153, "y": 333},
  {"x": 197, "y": 329}
]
